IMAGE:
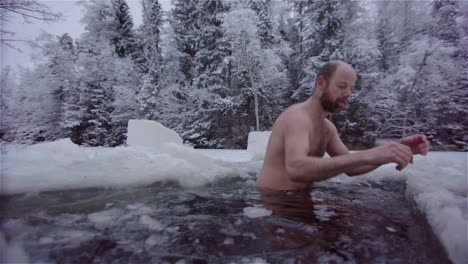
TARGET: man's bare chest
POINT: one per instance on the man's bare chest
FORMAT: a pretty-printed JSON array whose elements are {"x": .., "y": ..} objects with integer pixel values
[{"x": 319, "y": 138}]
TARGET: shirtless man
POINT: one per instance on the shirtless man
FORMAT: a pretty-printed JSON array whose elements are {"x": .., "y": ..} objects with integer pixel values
[{"x": 302, "y": 134}]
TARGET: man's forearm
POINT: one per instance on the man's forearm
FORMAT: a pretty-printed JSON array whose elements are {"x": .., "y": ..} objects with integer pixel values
[
  {"x": 361, "y": 170},
  {"x": 311, "y": 169}
]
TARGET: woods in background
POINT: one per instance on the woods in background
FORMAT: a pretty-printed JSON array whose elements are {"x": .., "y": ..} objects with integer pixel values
[{"x": 215, "y": 70}]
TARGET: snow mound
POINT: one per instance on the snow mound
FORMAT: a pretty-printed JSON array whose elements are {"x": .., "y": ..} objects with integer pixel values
[
  {"x": 63, "y": 165},
  {"x": 148, "y": 133},
  {"x": 257, "y": 144}
]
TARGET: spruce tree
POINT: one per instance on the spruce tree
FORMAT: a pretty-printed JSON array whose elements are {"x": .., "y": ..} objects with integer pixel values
[
  {"x": 122, "y": 34},
  {"x": 150, "y": 59}
]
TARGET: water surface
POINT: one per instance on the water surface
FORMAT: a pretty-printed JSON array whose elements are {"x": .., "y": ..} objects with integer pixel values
[{"x": 164, "y": 223}]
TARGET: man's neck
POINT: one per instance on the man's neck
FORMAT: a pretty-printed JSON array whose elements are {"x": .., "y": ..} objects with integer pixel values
[{"x": 315, "y": 108}]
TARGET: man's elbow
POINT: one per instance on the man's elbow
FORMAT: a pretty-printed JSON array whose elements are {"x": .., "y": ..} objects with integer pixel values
[
  {"x": 295, "y": 171},
  {"x": 352, "y": 173}
]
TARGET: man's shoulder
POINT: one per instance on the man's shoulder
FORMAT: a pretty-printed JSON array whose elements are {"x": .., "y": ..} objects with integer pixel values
[
  {"x": 330, "y": 125},
  {"x": 294, "y": 117},
  {"x": 294, "y": 111}
]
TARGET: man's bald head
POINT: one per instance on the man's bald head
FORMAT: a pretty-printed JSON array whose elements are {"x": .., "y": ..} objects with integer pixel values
[{"x": 329, "y": 68}]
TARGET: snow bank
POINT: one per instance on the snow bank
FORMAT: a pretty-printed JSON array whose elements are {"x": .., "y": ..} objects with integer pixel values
[
  {"x": 257, "y": 144},
  {"x": 155, "y": 154},
  {"x": 439, "y": 186},
  {"x": 438, "y": 183},
  {"x": 63, "y": 165},
  {"x": 147, "y": 133}
]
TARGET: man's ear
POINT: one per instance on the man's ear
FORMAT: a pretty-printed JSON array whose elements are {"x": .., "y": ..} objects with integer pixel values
[{"x": 320, "y": 83}]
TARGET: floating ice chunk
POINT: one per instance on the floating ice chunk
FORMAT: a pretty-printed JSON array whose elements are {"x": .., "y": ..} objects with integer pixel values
[
  {"x": 151, "y": 223},
  {"x": 12, "y": 252},
  {"x": 280, "y": 231},
  {"x": 154, "y": 240},
  {"x": 257, "y": 144},
  {"x": 148, "y": 133},
  {"x": 251, "y": 261},
  {"x": 391, "y": 229},
  {"x": 172, "y": 229},
  {"x": 249, "y": 235},
  {"x": 104, "y": 217},
  {"x": 182, "y": 261},
  {"x": 140, "y": 209},
  {"x": 228, "y": 241},
  {"x": 46, "y": 240},
  {"x": 254, "y": 212}
]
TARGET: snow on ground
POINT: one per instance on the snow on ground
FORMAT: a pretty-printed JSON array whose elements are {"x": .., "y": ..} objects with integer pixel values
[
  {"x": 227, "y": 155},
  {"x": 437, "y": 183}
]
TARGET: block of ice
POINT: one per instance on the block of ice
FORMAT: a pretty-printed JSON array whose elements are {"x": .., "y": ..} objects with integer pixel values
[
  {"x": 64, "y": 165},
  {"x": 148, "y": 133},
  {"x": 439, "y": 186},
  {"x": 257, "y": 144},
  {"x": 254, "y": 212},
  {"x": 12, "y": 252},
  {"x": 151, "y": 223}
]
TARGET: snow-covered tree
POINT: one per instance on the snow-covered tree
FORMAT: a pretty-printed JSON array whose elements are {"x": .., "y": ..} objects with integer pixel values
[
  {"x": 8, "y": 102},
  {"x": 257, "y": 73},
  {"x": 264, "y": 24},
  {"x": 150, "y": 59},
  {"x": 121, "y": 33},
  {"x": 107, "y": 80},
  {"x": 199, "y": 38},
  {"x": 319, "y": 27}
]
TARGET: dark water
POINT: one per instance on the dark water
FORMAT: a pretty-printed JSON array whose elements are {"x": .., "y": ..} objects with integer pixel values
[{"x": 165, "y": 223}]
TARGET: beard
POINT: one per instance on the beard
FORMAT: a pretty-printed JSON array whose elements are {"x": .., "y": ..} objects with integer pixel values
[{"x": 329, "y": 105}]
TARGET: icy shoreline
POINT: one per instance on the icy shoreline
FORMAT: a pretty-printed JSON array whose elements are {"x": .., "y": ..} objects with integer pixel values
[{"x": 437, "y": 183}]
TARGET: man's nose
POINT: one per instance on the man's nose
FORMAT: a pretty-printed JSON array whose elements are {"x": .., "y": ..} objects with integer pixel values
[{"x": 347, "y": 93}]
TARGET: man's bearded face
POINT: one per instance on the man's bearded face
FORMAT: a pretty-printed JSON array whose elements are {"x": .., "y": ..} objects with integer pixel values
[{"x": 330, "y": 105}]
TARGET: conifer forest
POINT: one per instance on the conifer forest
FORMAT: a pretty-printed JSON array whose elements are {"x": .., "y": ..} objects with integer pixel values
[{"x": 216, "y": 70}]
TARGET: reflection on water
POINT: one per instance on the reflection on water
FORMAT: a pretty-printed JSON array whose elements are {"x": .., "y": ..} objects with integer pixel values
[{"x": 164, "y": 223}]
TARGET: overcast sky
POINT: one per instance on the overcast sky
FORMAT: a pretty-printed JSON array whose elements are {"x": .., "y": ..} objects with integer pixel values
[{"x": 72, "y": 13}]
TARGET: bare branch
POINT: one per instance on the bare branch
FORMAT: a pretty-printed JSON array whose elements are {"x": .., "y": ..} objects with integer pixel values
[{"x": 29, "y": 10}]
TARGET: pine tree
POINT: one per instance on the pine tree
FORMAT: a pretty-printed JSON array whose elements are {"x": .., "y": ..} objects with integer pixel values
[
  {"x": 150, "y": 58},
  {"x": 185, "y": 22},
  {"x": 8, "y": 101},
  {"x": 121, "y": 34},
  {"x": 70, "y": 110},
  {"x": 265, "y": 27},
  {"x": 202, "y": 62}
]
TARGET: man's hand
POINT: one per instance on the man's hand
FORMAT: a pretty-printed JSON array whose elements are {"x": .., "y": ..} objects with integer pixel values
[
  {"x": 391, "y": 152},
  {"x": 417, "y": 143}
]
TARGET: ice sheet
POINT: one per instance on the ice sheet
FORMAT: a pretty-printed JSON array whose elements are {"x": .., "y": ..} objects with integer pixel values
[{"x": 63, "y": 165}]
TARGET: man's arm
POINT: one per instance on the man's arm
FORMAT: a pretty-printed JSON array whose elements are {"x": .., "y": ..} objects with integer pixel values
[
  {"x": 336, "y": 147},
  {"x": 417, "y": 143},
  {"x": 304, "y": 168}
]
